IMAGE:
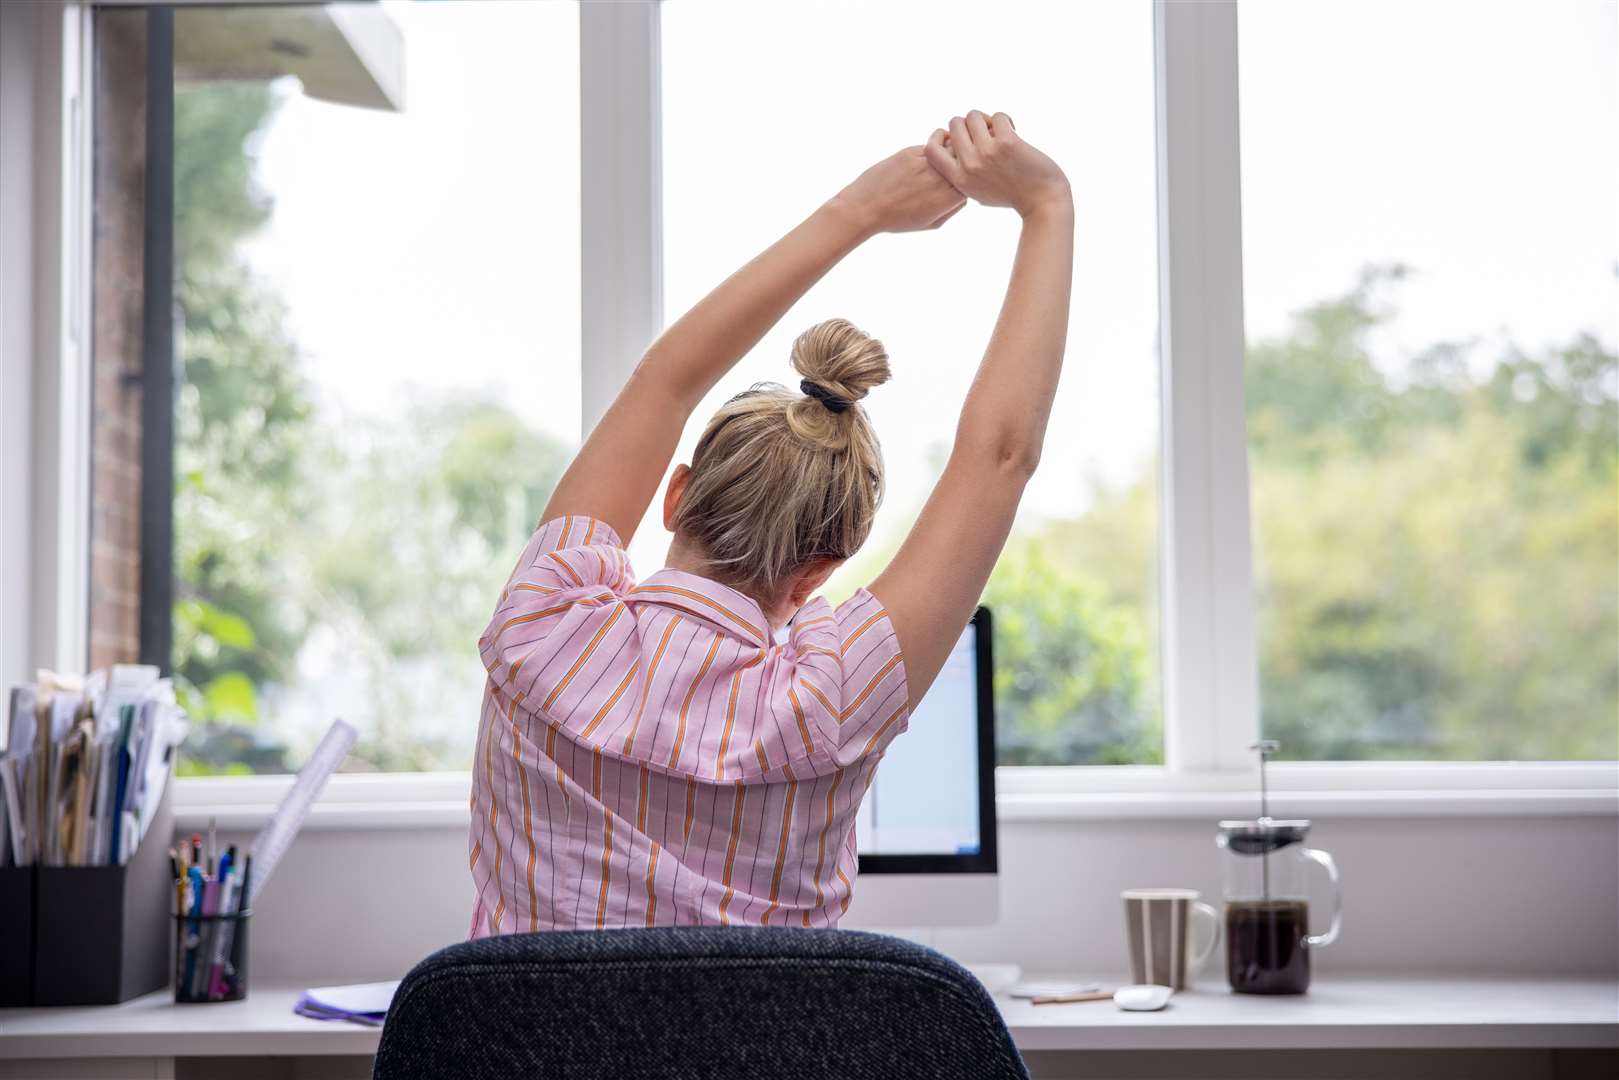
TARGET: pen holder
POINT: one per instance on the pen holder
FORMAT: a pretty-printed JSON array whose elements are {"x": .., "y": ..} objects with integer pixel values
[{"x": 210, "y": 958}]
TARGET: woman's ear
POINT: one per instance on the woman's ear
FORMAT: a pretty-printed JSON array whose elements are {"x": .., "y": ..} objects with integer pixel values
[{"x": 671, "y": 496}]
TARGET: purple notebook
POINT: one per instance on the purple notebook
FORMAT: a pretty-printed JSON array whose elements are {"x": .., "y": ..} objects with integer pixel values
[{"x": 362, "y": 1003}]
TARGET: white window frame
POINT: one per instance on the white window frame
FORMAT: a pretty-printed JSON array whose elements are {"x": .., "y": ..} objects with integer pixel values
[
  {"x": 1211, "y": 695},
  {"x": 45, "y": 229}
]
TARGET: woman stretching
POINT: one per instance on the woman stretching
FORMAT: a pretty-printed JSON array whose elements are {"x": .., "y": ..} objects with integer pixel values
[{"x": 691, "y": 748}]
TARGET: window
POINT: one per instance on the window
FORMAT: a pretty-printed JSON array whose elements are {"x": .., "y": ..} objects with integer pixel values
[
  {"x": 379, "y": 350},
  {"x": 380, "y": 354},
  {"x": 1430, "y": 276},
  {"x": 1075, "y": 595}
]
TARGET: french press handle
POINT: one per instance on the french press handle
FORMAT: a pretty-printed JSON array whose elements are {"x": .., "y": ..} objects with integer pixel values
[{"x": 1316, "y": 941}]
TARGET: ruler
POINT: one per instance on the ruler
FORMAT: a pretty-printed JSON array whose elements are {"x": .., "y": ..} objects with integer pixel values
[{"x": 278, "y": 834}]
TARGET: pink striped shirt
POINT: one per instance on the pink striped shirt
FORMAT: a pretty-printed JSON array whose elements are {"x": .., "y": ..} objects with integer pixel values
[{"x": 647, "y": 756}]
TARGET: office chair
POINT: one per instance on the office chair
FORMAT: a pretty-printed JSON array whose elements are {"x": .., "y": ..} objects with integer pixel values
[{"x": 716, "y": 1003}]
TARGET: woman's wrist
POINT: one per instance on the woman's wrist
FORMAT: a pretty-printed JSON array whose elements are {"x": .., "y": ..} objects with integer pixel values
[
  {"x": 856, "y": 221},
  {"x": 1053, "y": 203}
]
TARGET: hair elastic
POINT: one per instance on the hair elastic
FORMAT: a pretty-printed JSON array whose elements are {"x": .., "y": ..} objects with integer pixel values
[{"x": 824, "y": 396}]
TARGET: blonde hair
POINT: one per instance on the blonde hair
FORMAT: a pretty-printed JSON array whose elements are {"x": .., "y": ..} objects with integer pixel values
[{"x": 779, "y": 479}]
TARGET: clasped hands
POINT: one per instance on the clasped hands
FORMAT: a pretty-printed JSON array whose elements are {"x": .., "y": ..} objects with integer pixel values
[{"x": 977, "y": 157}]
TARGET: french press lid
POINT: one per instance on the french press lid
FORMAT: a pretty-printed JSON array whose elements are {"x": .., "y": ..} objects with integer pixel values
[
  {"x": 1262, "y": 836},
  {"x": 1265, "y": 834}
]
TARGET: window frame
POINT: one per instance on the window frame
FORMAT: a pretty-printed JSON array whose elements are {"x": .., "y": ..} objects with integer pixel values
[{"x": 1210, "y": 670}]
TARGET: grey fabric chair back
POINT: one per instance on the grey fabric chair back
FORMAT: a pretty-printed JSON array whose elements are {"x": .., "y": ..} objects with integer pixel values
[{"x": 715, "y": 1003}]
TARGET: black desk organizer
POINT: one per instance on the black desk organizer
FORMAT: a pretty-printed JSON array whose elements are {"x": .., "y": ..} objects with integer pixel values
[
  {"x": 89, "y": 935},
  {"x": 16, "y": 935}
]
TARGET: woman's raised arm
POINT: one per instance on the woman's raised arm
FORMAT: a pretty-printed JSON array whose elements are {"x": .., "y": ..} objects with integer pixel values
[
  {"x": 935, "y": 580},
  {"x": 617, "y": 471}
]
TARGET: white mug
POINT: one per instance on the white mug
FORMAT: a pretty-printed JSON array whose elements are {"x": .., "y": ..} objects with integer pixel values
[{"x": 1158, "y": 928}]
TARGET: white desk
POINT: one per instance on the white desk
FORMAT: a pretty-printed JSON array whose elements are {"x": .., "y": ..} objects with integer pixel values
[{"x": 1346, "y": 1013}]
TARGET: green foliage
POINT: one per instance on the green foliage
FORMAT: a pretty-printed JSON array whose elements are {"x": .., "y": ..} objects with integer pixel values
[
  {"x": 1071, "y": 668},
  {"x": 242, "y": 422},
  {"x": 1437, "y": 543}
]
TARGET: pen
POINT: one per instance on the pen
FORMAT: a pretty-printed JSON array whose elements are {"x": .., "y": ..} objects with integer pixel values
[
  {"x": 196, "y": 921},
  {"x": 204, "y": 949},
  {"x": 179, "y": 883},
  {"x": 220, "y": 947},
  {"x": 245, "y": 900}
]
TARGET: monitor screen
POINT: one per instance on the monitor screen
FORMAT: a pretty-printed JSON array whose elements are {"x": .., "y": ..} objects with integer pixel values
[{"x": 926, "y": 797}]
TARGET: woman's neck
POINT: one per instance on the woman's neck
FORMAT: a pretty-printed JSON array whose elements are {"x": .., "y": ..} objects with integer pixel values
[{"x": 686, "y": 559}]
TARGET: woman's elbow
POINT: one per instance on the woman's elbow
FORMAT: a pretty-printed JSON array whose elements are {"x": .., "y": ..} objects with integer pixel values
[
  {"x": 1018, "y": 459},
  {"x": 1011, "y": 455}
]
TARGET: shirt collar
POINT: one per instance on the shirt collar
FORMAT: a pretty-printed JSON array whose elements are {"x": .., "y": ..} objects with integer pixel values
[{"x": 725, "y": 607}]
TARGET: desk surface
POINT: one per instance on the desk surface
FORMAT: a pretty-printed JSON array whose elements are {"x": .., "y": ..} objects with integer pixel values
[{"x": 1366, "y": 1013}]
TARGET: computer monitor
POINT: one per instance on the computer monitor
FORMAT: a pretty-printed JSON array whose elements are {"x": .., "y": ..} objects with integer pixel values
[{"x": 926, "y": 829}]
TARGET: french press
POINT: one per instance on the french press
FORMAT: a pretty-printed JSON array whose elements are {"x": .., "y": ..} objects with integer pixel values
[{"x": 1267, "y": 908}]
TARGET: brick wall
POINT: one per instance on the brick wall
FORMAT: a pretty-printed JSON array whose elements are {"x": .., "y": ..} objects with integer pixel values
[{"x": 115, "y": 456}]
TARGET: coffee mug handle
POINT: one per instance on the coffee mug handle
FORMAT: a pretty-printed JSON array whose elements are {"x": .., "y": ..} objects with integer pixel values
[
  {"x": 1200, "y": 909},
  {"x": 1316, "y": 941}
]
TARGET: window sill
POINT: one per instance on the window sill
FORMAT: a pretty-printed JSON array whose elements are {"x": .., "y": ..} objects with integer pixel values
[{"x": 1365, "y": 790}]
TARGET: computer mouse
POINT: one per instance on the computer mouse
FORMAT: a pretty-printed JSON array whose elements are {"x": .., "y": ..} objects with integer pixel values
[{"x": 1145, "y": 998}]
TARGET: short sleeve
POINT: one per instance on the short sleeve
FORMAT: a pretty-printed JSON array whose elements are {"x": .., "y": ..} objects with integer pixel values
[
  {"x": 573, "y": 551},
  {"x": 850, "y": 679},
  {"x": 571, "y": 568}
]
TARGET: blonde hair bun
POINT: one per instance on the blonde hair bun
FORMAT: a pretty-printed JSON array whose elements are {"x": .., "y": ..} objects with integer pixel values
[
  {"x": 845, "y": 362},
  {"x": 841, "y": 357}
]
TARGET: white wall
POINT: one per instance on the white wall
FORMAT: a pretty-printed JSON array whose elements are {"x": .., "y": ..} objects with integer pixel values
[{"x": 1509, "y": 895}]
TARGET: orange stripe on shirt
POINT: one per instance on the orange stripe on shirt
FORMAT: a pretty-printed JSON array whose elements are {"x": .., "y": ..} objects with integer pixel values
[
  {"x": 867, "y": 625},
  {"x": 689, "y": 594},
  {"x": 691, "y": 692},
  {"x": 551, "y": 752},
  {"x": 585, "y": 601},
  {"x": 820, "y": 860},
  {"x": 882, "y": 674},
  {"x": 584, "y": 657},
  {"x": 781, "y": 848},
  {"x": 798, "y": 714},
  {"x": 608, "y": 707},
  {"x": 878, "y": 734},
  {"x": 640, "y": 803},
  {"x": 651, "y": 882},
  {"x": 528, "y": 810},
  {"x": 494, "y": 818},
  {"x": 730, "y": 715},
  {"x": 730, "y": 853},
  {"x": 607, "y": 856},
  {"x": 691, "y": 812},
  {"x": 567, "y": 567},
  {"x": 646, "y": 688},
  {"x": 818, "y": 696}
]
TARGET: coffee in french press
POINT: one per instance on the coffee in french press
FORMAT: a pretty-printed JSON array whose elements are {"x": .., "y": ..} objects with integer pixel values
[{"x": 1267, "y": 911}]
